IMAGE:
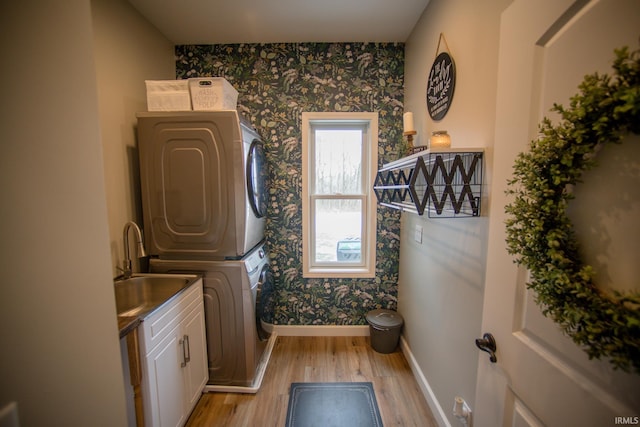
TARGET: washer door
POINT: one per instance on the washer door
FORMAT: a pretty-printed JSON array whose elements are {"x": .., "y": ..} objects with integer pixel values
[
  {"x": 257, "y": 178},
  {"x": 264, "y": 301}
]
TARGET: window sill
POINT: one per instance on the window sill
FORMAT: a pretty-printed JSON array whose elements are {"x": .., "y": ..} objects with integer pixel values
[{"x": 356, "y": 273}]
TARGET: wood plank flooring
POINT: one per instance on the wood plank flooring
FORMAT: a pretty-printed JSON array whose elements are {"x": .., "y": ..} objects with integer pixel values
[{"x": 320, "y": 359}]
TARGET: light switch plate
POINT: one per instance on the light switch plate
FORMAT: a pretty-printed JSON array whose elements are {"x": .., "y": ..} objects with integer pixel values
[{"x": 418, "y": 234}]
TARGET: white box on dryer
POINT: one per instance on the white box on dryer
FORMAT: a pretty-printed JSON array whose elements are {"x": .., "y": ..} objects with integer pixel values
[
  {"x": 168, "y": 95},
  {"x": 212, "y": 93}
]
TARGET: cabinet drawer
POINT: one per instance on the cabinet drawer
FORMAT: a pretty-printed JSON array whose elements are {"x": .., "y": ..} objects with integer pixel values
[{"x": 161, "y": 323}]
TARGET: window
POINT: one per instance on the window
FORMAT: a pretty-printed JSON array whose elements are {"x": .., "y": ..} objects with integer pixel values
[{"x": 339, "y": 161}]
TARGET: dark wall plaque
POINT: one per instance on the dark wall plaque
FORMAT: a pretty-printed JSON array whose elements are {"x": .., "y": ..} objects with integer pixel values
[{"x": 440, "y": 86}]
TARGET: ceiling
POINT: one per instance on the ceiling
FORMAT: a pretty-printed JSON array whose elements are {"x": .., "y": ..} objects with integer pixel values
[{"x": 282, "y": 21}]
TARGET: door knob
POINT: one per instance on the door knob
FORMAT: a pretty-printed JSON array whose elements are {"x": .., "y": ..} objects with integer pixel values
[{"x": 488, "y": 343}]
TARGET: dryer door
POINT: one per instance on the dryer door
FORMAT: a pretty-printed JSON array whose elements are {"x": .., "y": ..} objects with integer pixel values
[
  {"x": 264, "y": 302},
  {"x": 257, "y": 178}
]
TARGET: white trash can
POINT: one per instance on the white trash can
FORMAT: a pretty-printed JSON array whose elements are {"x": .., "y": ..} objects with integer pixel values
[{"x": 385, "y": 327}]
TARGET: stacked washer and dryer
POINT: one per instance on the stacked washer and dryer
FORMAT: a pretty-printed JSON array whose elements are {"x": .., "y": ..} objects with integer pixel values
[{"x": 204, "y": 196}]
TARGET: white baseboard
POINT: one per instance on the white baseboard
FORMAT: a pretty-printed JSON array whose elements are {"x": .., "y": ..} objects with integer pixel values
[
  {"x": 320, "y": 330},
  {"x": 432, "y": 401}
]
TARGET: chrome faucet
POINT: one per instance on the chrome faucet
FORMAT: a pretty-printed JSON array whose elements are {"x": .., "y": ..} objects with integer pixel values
[{"x": 126, "y": 271}]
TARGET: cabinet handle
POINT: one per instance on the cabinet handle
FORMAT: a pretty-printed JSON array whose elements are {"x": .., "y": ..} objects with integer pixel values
[
  {"x": 187, "y": 358},
  {"x": 183, "y": 343}
]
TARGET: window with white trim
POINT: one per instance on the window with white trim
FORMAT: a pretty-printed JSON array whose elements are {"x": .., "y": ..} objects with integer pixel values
[{"x": 339, "y": 162}]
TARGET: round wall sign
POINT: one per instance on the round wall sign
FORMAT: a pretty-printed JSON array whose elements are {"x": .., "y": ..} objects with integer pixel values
[{"x": 440, "y": 86}]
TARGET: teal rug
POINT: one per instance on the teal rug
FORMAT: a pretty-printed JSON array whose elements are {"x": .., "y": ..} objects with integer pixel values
[{"x": 333, "y": 405}]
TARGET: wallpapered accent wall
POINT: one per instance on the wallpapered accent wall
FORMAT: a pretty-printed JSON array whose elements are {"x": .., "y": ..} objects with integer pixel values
[{"x": 276, "y": 83}]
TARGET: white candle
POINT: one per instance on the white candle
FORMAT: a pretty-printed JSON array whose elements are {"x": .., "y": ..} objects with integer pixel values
[{"x": 408, "y": 122}]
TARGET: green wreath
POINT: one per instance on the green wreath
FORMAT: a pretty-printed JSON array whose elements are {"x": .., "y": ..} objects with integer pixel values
[{"x": 540, "y": 234}]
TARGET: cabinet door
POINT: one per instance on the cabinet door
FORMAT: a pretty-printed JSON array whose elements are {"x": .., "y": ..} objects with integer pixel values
[
  {"x": 175, "y": 370},
  {"x": 166, "y": 383},
  {"x": 196, "y": 372}
]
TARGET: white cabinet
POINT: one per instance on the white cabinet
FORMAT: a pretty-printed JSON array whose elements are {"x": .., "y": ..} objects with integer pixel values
[{"x": 174, "y": 359}]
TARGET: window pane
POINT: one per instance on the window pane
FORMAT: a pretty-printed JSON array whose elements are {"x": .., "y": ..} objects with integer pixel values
[
  {"x": 338, "y": 158},
  {"x": 338, "y": 229}
]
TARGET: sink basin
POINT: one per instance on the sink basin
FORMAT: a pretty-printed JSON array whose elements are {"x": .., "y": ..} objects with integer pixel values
[{"x": 141, "y": 294}]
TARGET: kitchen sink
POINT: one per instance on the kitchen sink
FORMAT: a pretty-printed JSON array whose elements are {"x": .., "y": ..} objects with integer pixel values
[{"x": 141, "y": 294}]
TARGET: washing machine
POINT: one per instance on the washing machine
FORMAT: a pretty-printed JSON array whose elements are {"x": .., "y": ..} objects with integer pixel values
[{"x": 237, "y": 295}]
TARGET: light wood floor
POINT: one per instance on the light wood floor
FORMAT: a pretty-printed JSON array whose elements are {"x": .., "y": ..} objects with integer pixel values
[{"x": 320, "y": 359}]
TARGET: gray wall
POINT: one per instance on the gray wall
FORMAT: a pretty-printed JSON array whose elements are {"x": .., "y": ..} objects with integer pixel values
[
  {"x": 128, "y": 50},
  {"x": 68, "y": 111},
  {"x": 441, "y": 280},
  {"x": 60, "y": 358}
]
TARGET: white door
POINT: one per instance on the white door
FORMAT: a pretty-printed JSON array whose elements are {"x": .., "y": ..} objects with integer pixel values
[{"x": 541, "y": 377}]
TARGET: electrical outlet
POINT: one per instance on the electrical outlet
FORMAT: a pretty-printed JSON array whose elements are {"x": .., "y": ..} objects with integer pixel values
[
  {"x": 462, "y": 412},
  {"x": 417, "y": 236}
]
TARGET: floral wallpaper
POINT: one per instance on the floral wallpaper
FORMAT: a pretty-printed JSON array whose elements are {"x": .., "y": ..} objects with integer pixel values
[{"x": 276, "y": 83}]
